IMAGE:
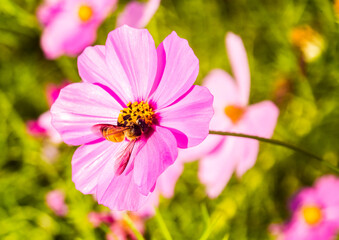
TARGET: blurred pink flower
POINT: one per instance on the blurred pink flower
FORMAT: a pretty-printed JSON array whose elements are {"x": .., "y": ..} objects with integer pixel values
[
  {"x": 315, "y": 212},
  {"x": 222, "y": 155},
  {"x": 47, "y": 11},
  {"x": 35, "y": 129},
  {"x": 53, "y": 91},
  {"x": 56, "y": 202},
  {"x": 97, "y": 218},
  {"x": 119, "y": 229},
  {"x": 137, "y": 14},
  {"x": 43, "y": 126},
  {"x": 129, "y": 69},
  {"x": 276, "y": 230},
  {"x": 70, "y": 26}
]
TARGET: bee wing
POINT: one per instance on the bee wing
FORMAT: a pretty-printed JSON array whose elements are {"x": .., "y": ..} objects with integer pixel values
[
  {"x": 110, "y": 129},
  {"x": 123, "y": 158}
]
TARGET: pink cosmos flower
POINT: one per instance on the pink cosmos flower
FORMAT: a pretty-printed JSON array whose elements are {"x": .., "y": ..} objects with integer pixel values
[
  {"x": 129, "y": 84},
  {"x": 56, "y": 202},
  {"x": 137, "y": 14},
  {"x": 70, "y": 26},
  {"x": 315, "y": 212},
  {"x": 222, "y": 155}
]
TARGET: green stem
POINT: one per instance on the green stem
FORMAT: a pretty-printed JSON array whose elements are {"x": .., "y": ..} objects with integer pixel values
[
  {"x": 279, "y": 143},
  {"x": 162, "y": 225}
]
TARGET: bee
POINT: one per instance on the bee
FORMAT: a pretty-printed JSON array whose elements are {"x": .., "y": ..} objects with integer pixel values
[{"x": 117, "y": 133}]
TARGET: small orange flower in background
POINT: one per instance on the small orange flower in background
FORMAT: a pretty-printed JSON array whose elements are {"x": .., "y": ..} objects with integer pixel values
[
  {"x": 308, "y": 41},
  {"x": 336, "y": 8}
]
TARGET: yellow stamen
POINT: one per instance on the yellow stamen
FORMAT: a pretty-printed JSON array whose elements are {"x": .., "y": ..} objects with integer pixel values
[
  {"x": 85, "y": 13},
  {"x": 134, "y": 112},
  {"x": 312, "y": 214},
  {"x": 234, "y": 112}
]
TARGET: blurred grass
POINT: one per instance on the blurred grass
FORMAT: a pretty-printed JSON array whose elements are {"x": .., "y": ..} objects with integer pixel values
[{"x": 309, "y": 118}]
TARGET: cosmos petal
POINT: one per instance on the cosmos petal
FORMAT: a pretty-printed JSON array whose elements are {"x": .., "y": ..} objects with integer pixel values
[
  {"x": 188, "y": 118},
  {"x": 216, "y": 168},
  {"x": 89, "y": 161},
  {"x": 307, "y": 195},
  {"x": 199, "y": 151},
  {"x": 241, "y": 71},
  {"x": 137, "y": 14},
  {"x": 47, "y": 11},
  {"x": 327, "y": 187},
  {"x": 119, "y": 192},
  {"x": 178, "y": 69},
  {"x": 148, "y": 209},
  {"x": 226, "y": 93},
  {"x": 157, "y": 153},
  {"x": 132, "y": 57},
  {"x": 167, "y": 180},
  {"x": 93, "y": 69},
  {"x": 261, "y": 118},
  {"x": 78, "y": 108},
  {"x": 248, "y": 150}
]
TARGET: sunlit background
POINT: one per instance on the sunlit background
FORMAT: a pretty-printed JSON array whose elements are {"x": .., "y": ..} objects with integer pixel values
[{"x": 292, "y": 47}]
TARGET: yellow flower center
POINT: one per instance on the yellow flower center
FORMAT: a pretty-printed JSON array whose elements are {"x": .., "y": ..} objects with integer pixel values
[
  {"x": 312, "y": 214},
  {"x": 234, "y": 112},
  {"x": 136, "y": 113},
  {"x": 85, "y": 13}
]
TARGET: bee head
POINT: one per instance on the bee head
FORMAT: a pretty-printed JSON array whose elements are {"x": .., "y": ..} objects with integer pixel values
[{"x": 141, "y": 123}]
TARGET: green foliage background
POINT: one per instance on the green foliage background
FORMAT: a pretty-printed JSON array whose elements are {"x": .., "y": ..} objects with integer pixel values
[{"x": 308, "y": 118}]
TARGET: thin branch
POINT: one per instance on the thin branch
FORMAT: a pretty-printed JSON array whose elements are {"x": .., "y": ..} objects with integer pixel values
[{"x": 279, "y": 143}]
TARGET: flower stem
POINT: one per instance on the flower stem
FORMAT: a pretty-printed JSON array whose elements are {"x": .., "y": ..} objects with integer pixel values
[
  {"x": 279, "y": 143},
  {"x": 162, "y": 225}
]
